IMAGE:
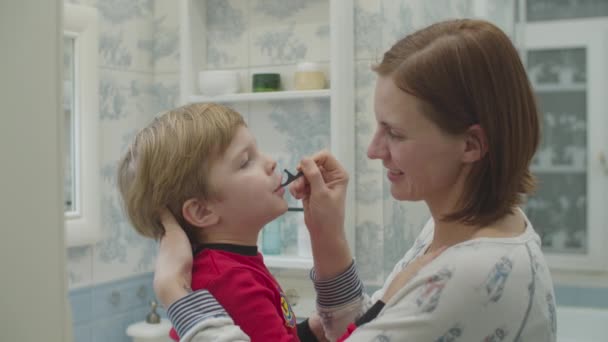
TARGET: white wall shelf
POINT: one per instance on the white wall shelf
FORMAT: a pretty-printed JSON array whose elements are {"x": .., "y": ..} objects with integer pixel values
[
  {"x": 292, "y": 262},
  {"x": 559, "y": 87},
  {"x": 263, "y": 96},
  {"x": 558, "y": 169}
]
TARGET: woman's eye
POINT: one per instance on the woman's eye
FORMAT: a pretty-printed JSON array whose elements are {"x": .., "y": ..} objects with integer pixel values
[
  {"x": 245, "y": 163},
  {"x": 394, "y": 135}
]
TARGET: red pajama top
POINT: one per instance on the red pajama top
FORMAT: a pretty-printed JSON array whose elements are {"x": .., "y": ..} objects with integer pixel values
[{"x": 237, "y": 277}]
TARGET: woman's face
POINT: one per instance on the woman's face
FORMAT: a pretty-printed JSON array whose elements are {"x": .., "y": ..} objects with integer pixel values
[{"x": 422, "y": 162}]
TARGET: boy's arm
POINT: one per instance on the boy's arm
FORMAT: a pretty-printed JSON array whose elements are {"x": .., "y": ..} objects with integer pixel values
[{"x": 198, "y": 317}]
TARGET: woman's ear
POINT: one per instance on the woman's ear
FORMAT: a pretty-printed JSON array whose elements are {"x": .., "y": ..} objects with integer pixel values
[
  {"x": 197, "y": 213},
  {"x": 476, "y": 144}
]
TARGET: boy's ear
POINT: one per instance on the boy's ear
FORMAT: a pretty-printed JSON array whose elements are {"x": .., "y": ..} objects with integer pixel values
[
  {"x": 476, "y": 144},
  {"x": 197, "y": 213}
]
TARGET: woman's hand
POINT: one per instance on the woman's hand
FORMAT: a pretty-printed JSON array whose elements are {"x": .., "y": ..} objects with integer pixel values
[
  {"x": 409, "y": 272},
  {"x": 173, "y": 270},
  {"x": 323, "y": 193}
]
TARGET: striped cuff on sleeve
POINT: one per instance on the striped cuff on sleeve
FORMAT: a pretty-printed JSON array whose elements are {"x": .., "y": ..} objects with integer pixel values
[
  {"x": 339, "y": 290},
  {"x": 192, "y": 309}
]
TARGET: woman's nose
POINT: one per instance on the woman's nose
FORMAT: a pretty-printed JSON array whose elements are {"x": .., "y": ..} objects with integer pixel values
[{"x": 377, "y": 147}]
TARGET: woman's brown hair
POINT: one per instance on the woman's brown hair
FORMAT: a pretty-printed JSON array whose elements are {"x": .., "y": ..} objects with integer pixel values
[{"x": 468, "y": 72}]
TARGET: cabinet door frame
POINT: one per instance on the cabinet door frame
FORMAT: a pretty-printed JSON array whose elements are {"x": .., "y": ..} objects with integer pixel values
[{"x": 592, "y": 35}]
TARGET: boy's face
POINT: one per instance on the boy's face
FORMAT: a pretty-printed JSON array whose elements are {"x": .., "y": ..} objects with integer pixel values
[{"x": 246, "y": 185}]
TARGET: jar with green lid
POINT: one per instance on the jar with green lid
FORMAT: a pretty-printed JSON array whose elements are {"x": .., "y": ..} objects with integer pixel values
[{"x": 266, "y": 82}]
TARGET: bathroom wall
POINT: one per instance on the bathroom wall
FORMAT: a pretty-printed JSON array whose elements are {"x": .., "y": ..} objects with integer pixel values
[
  {"x": 138, "y": 72},
  {"x": 110, "y": 282},
  {"x": 385, "y": 228}
]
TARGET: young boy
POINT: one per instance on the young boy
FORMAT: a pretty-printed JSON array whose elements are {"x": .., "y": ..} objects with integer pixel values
[{"x": 201, "y": 161}]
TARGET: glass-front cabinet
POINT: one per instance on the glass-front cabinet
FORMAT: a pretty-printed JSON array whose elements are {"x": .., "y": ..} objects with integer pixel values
[{"x": 567, "y": 63}]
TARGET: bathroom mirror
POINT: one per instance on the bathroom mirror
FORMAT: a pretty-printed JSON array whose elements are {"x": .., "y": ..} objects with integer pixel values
[{"x": 81, "y": 125}]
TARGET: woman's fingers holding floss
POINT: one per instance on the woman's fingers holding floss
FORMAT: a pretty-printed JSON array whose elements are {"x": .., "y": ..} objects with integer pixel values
[{"x": 313, "y": 174}]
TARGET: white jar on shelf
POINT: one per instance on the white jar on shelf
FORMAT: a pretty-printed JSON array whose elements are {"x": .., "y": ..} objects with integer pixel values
[{"x": 308, "y": 76}]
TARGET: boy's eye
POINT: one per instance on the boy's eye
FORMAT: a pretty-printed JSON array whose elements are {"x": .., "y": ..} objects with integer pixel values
[{"x": 244, "y": 163}]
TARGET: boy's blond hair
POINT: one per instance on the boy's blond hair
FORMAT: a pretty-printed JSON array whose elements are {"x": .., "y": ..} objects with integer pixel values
[{"x": 169, "y": 163}]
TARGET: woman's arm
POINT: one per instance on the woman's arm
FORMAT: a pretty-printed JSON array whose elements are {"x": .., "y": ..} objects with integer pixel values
[{"x": 323, "y": 194}]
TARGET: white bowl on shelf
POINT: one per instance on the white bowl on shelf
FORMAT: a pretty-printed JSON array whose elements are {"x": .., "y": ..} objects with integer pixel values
[{"x": 218, "y": 82}]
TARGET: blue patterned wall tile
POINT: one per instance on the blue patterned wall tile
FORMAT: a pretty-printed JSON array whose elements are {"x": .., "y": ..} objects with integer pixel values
[
  {"x": 501, "y": 13},
  {"x": 90, "y": 3},
  {"x": 134, "y": 100},
  {"x": 402, "y": 17},
  {"x": 163, "y": 45},
  {"x": 227, "y": 36},
  {"x": 83, "y": 333},
  {"x": 285, "y": 9},
  {"x": 166, "y": 36},
  {"x": 367, "y": 181},
  {"x": 125, "y": 27},
  {"x": 100, "y": 316},
  {"x": 368, "y": 34},
  {"x": 133, "y": 37},
  {"x": 403, "y": 221},
  {"x": 125, "y": 105},
  {"x": 118, "y": 297},
  {"x": 398, "y": 20},
  {"x": 368, "y": 251},
  {"x": 117, "y": 96},
  {"x": 368, "y": 173},
  {"x": 444, "y": 9},
  {"x": 122, "y": 11},
  {"x": 112, "y": 50},
  {"x": 156, "y": 97},
  {"x": 79, "y": 266},
  {"x": 365, "y": 84},
  {"x": 302, "y": 131},
  {"x": 122, "y": 252},
  {"x": 112, "y": 101},
  {"x": 81, "y": 301},
  {"x": 277, "y": 46},
  {"x": 300, "y": 33}
]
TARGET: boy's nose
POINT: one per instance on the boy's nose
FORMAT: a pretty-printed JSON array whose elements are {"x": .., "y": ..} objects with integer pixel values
[{"x": 272, "y": 164}]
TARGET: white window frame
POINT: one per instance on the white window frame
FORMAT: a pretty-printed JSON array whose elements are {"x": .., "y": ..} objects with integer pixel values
[{"x": 83, "y": 226}]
